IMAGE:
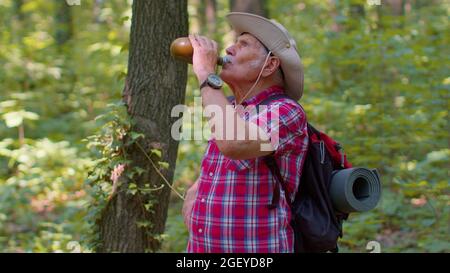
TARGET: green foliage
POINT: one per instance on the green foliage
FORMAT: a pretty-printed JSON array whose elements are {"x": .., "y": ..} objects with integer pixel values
[
  {"x": 176, "y": 233},
  {"x": 108, "y": 145},
  {"x": 49, "y": 96},
  {"x": 114, "y": 138},
  {"x": 41, "y": 195},
  {"x": 378, "y": 84}
]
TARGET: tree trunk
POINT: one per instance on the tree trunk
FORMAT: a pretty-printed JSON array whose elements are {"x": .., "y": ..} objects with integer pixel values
[
  {"x": 96, "y": 10},
  {"x": 211, "y": 9},
  {"x": 357, "y": 11},
  {"x": 357, "y": 15},
  {"x": 64, "y": 24},
  {"x": 335, "y": 13},
  {"x": 394, "y": 11},
  {"x": 206, "y": 13},
  {"x": 17, "y": 9},
  {"x": 17, "y": 24},
  {"x": 201, "y": 16},
  {"x": 396, "y": 7},
  {"x": 250, "y": 6},
  {"x": 154, "y": 85}
]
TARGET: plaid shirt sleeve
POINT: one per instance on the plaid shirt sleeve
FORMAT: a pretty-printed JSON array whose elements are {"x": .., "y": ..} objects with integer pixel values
[{"x": 285, "y": 122}]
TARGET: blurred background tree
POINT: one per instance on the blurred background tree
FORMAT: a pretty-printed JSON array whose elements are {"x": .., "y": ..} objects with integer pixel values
[
  {"x": 136, "y": 212},
  {"x": 376, "y": 79}
]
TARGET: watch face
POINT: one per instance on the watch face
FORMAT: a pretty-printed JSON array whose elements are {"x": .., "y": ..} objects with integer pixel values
[{"x": 215, "y": 80}]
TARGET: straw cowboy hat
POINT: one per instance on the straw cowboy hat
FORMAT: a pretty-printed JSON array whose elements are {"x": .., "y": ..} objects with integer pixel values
[{"x": 277, "y": 39}]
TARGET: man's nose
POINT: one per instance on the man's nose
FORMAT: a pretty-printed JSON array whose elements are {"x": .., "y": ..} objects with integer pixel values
[{"x": 230, "y": 50}]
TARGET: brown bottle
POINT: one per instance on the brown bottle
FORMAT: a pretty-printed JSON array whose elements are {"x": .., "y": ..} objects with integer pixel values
[{"x": 182, "y": 49}]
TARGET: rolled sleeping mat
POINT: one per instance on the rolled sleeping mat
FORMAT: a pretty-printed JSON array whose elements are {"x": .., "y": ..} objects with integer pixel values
[{"x": 355, "y": 189}]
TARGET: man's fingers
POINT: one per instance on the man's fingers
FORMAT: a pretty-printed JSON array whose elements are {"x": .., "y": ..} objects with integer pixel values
[
  {"x": 205, "y": 41},
  {"x": 209, "y": 42},
  {"x": 194, "y": 40},
  {"x": 202, "y": 41},
  {"x": 185, "y": 213},
  {"x": 216, "y": 46}
]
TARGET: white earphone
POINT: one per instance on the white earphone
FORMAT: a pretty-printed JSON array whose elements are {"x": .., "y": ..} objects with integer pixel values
[{"x": 257, "y": 79}]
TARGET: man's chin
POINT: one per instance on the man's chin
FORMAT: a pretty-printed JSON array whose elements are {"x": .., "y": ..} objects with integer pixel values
[{"x": 225, "y": 76}]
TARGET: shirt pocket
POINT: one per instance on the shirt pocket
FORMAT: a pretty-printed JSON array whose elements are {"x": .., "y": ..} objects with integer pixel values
[{"x": 236, "y": 165}]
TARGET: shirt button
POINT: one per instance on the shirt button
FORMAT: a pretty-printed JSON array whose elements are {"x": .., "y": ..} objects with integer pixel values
[
  {"x": 203, "y": 200},
  {"x": 211, "y": 174},
  {"x": 200, "y": 230}
]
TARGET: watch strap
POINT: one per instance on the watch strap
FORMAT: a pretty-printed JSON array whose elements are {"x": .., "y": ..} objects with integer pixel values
[
  {"x": 210, "y": 83},
  {"x": 204, "y": 83}
]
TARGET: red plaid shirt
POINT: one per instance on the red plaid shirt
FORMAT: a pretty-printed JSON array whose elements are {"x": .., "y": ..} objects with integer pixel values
[{"x": 230, "y": 212}]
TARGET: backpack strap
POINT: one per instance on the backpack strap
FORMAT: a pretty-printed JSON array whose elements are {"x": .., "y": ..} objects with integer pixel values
[{"x": 271, "y": 162}]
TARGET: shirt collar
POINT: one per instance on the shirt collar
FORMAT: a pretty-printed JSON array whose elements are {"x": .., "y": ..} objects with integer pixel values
[{"x": 275, "y": 89}]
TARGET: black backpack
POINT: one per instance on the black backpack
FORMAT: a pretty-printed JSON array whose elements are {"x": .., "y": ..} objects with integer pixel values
[{"x": 317, "y": 225}]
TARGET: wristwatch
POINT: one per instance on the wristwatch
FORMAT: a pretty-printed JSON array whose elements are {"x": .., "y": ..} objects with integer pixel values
[{"x": 213, "y": 81}]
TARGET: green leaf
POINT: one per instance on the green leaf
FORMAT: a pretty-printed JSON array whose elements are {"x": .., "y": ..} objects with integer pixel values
[
  {"x": 124, "y": 47},
  {"x": 135, "y": 135},
  {"x": 156, "y": 152},
  {"x": 8, "y": 103},
  {"x": 143, "y": 224},
  {"x": 163, "y": 165},
  {"x": 124, "y": 19},
  {"x": 428, "y": 222},
  {"x": 139, "y": 170},
  {"x": 148, "y": 207},
  {"x": 15, "y": 119},
  {"x": 121, "y": 75},
  {"x": 12, "y": 120},
  {"x": 132, "y": 188}
]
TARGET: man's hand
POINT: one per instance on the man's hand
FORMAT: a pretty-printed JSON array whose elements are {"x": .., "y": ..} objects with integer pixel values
[
  {"x": 204, "y": 60},
  {"x": 189, "y": 202}
]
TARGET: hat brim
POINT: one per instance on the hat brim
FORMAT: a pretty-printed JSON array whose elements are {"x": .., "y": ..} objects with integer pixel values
[{"x": 276, "y": 38}]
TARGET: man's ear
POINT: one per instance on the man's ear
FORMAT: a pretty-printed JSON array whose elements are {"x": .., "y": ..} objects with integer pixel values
[{"x": 272, "y": 66}]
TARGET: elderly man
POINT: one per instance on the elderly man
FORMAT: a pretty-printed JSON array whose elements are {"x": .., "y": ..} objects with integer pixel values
[{"x": 228, "y": 208}]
